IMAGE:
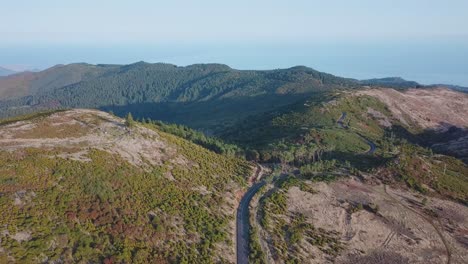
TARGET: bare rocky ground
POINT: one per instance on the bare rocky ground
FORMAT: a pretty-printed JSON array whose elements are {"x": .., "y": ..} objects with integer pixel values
[
  {"x": 428, "y": 111},
  {"x": 401, "y": 230},
  {"x": 437, "y": 109},
  {"x": 75, "y": 130}
]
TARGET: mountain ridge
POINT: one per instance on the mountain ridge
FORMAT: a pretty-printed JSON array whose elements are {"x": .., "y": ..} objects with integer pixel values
[{"x": 153, "y": 86}]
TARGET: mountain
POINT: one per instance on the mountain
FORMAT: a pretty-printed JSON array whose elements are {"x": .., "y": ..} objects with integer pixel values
[
  {"x": 84, "y": 186},
  {"x": 31, "y": 83},
  {"x": 6, "y": 72},
  {"x": 202, "y": 95},
  {"x": 346, "y": 171}
]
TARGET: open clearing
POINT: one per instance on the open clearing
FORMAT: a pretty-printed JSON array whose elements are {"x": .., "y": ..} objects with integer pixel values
[{"x": 378, "y": 225}]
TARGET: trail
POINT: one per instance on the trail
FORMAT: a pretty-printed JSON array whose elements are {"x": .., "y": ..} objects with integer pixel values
[
  {"x": 242, "y": 224},
  {"x": 439, "y": 233}
]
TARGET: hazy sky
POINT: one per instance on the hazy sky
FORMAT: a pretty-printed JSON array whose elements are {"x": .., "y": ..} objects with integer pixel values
[{"x": 328, "y": 35}]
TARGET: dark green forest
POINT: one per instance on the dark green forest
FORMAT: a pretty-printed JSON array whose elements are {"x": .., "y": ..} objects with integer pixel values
[{"x": 175, "y": 94}]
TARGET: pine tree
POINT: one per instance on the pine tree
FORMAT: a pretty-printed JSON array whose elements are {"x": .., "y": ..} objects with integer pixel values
[{"x": 129, "y": 122}]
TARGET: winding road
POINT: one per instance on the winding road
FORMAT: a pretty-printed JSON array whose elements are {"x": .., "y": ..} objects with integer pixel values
[
  {"x": 242, "y": 224},
  {"x": 341, "y": 119},
  {"x": 372, "y": 146}
]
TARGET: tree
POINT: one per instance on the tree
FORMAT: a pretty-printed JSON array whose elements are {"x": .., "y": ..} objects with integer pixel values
[
  {"x": 129, "y": 122},
  {"x": 252, "y": 155}
]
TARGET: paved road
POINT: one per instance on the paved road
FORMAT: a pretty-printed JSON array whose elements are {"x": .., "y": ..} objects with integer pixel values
[
  {"x": 372, "y": 146},
  {"x": 243, "y": 222},
  {"x": 341, "y": 119}
]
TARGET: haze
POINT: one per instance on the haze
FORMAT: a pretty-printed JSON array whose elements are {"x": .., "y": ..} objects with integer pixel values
[{"x": 426, "y": 41}]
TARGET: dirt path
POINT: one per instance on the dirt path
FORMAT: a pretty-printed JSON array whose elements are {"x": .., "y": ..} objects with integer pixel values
[
  {"x": 447, "y": 248},
  {"x": 242, "y": 224}
]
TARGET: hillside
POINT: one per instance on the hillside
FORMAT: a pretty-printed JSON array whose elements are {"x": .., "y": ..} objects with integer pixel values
[
  {"x": 346, "y": 127},
  {"x": 355, "y": 219},
  {"x": 391, "y": 82},
  {"x": 420, "y": 115},
  {"x": 357, "y": 177},
  {"x": 81, "y": 186},
  {"x": 33, "y": 83},
  {"x": 185, "y": 95}
]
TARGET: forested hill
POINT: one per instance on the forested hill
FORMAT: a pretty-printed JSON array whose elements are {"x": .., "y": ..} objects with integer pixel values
[
  {"x": 165, "y": 91},
  {"x": 391, "y": 82}
]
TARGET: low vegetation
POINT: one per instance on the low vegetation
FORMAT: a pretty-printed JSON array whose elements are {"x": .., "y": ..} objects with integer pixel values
[
  {"x": 289, "y": 230},
  {"x": 420, "y": 169},
  {"x": 107, "y": 210}
]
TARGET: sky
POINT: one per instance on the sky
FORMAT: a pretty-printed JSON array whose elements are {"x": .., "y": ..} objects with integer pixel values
[{"x": 423, "y": 40}]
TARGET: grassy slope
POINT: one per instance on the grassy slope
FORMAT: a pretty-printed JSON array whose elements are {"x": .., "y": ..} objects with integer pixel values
[
  {"x": 312, "y": 124},
  {"x": 298, "y": 130}
]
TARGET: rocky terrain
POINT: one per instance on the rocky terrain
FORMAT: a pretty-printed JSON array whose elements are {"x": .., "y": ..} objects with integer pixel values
[
  {"x": 351, "y": 221},
  {"x": 436, "y": 109},
  {"x": 437, "y": 116}
]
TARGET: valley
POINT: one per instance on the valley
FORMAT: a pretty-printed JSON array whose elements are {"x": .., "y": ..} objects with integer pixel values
[{"x": 234, "y": 132}]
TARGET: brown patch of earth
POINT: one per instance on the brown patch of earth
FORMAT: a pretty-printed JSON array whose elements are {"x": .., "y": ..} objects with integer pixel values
[
  {"x": 436, "y": 109},
  {"x": 399, "y": 230}
]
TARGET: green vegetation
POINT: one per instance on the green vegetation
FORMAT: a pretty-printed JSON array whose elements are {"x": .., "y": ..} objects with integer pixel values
[
  {"x": 256, "y": 254},
  {"x": 209, "y": 142},
  {"x": 129, "y": 122},
  {"x": 307, "y": 132},
  {"x": 204, "y": 96},
  {"x": 108, "y": 210},
  {"x": 420, "y": 168},
  {"x": 392, "y": 82},
  {"x": 11, "y": 120}
]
